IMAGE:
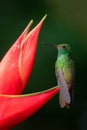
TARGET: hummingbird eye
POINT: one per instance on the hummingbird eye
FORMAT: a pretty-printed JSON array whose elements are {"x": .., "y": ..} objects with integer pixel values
[{"x": 64, "y": 47}]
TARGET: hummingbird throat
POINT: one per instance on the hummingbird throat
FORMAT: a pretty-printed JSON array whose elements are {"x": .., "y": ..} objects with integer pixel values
[{"x": 63, "y": 52}]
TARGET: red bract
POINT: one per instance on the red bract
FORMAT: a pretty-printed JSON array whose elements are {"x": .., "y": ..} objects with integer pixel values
[
  {"x": 15, "y": 69},
  {"x": 14, "y": 109},
  {"x": 16, "y": 66}
]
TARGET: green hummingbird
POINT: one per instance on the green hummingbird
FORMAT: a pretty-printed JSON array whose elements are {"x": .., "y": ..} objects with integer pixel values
[{"x": 65, "y": 73}]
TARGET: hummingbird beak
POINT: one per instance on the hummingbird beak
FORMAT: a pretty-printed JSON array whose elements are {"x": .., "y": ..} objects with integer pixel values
[{"x": 55, "y": 46}]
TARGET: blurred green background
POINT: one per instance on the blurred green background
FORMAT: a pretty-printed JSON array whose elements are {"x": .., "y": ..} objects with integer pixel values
[{"x": 66, "y": 22}]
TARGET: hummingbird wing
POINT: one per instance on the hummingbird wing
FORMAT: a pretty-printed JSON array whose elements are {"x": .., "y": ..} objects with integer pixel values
[
  {"x": 62, "y": 100},
  {"x": 63, "y": 87}
]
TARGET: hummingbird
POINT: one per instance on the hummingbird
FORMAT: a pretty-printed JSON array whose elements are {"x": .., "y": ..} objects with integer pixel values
[{"x": 65, "y": 73}]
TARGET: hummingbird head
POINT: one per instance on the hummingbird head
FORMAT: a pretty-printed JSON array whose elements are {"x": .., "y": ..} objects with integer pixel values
[{"x": 63, "y": 49}]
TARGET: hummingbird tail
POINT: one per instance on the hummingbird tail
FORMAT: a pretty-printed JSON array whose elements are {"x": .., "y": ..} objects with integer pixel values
[{"x": 63, "y": 102}]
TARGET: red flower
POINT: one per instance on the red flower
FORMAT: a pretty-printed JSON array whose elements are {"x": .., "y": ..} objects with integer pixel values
[
  {"x": 14, "y": 109},
  {"x": 15, "y": 69}
]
